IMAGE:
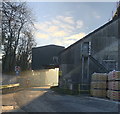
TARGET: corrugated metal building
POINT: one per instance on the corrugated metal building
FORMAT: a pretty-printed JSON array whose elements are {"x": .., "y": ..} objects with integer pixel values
[
  {"x": 99, "y": 51},
  {"x": 45, "y": 56}
]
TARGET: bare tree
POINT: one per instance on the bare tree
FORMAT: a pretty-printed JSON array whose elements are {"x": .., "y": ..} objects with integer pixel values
[
  {"x": 16, "y": 18},
  {"x": 24, "y": 50}
]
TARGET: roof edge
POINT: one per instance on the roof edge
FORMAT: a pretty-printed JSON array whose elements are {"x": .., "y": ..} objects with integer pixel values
[
  {"x": 113, "y": 20},
  {"x": 48, "y": 46}
]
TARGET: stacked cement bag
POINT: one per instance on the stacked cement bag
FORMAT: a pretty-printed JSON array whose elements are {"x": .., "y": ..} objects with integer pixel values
[
  {"x": 114, "y": 85},
  {"x": 99, "y": 85}
]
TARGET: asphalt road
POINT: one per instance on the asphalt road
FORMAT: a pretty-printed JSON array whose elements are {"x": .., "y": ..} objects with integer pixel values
[{"x": 42, "y": 99}]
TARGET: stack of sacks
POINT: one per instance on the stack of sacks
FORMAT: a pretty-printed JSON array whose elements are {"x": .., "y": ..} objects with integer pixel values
[
  {"x": 114, "y": 85},
  {"x": 99, "y": 85}
]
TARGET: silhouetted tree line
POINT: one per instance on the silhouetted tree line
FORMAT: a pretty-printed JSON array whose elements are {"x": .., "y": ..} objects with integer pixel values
[
  {"x": 17, "y": 36},
  {"x": 117, "y": 13}
]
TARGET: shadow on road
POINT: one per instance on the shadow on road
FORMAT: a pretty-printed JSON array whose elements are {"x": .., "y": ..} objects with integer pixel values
[
  {"x": 42, "y": 99},
  {"x": 33, "y": 99}
]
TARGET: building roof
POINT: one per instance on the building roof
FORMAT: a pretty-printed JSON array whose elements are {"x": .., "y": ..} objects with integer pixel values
[
  {"x": 89, "y": 34},
  {"x": 48, "y": 46}
]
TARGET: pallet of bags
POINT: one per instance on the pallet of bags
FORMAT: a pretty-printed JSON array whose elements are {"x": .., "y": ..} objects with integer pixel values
[
  {"x": 114, "y": 75},
  {"x": 113, "y": 95},
  {"x": 114, "y": 85},
  {"x": 99, "y": 85},
  {"x": 99, "y": 77},
  {"x": 98, "y": 93}
]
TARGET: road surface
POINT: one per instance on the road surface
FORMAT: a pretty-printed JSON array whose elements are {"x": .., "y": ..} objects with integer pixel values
[
  {"x": 42, "y": 99},
  {"x": 8, "y": 103}
]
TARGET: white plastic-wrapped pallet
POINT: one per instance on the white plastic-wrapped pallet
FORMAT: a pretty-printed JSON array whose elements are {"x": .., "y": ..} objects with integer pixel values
[
  {"x": 114, "y": 75},
  {"x": 99, "y": 77},
  {"x": 114, "y": 85},
  {"x": 99, "y": 84}
]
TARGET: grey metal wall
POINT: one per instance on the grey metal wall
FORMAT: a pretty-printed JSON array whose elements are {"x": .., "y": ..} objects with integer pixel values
[
  {"x": 119, "y": 44},
  {"x": 44, "y": 55},
  {"x": 104, "y": 46}
]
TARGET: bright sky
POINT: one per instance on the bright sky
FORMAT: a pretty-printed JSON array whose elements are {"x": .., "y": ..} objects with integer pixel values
[{"x": 65, "y": 23}]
